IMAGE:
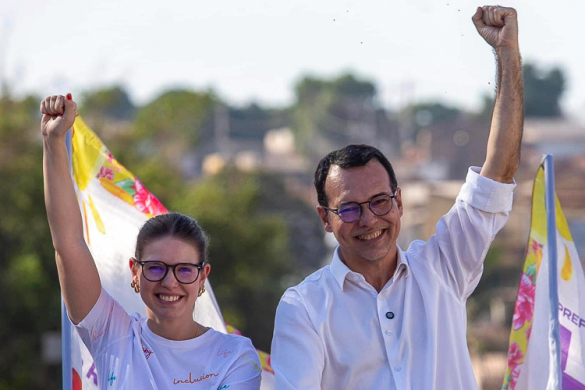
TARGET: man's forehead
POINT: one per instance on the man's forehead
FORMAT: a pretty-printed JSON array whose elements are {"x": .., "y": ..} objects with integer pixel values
[{"x": 357, "y": 183}]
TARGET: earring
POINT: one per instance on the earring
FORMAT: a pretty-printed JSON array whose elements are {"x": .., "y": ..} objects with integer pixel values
[
  {"x": 135, "y": 286},
  {"x": 201, "y": 291}
]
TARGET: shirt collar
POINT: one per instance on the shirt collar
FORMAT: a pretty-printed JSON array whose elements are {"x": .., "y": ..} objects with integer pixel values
[{"x": 339, "y": 270}]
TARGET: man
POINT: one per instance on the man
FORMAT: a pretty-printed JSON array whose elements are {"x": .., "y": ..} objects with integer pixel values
[{"x": 382, "y": 318}]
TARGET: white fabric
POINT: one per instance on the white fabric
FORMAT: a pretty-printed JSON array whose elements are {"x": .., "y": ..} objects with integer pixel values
[
  {"x": 332, "y": 330},
  {"x": 129, "y": 356}
]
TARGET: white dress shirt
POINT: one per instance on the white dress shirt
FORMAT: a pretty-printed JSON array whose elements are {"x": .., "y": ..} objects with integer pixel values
[{"x": 335, "y": 331}]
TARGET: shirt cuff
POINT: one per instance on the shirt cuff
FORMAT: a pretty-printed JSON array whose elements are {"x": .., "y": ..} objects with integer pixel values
[{"x": 486, "y": 194}]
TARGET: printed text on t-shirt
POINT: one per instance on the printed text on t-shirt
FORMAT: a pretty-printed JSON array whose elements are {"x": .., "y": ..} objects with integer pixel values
[{"x": 193, "y": 380}]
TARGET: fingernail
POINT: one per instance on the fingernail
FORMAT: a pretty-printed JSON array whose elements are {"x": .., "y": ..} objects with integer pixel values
[{"x": 68, "y": 96}]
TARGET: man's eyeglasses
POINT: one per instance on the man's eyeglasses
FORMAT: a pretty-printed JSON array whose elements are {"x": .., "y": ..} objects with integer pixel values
[
  {"x": 350, "y": 212},
  {"x": 185, "y": 273}
]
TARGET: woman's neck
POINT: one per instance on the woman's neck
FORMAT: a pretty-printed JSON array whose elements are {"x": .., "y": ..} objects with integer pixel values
[{"x": 175, "y": 330}]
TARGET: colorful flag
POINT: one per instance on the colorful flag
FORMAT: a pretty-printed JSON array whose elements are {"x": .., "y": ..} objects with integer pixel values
[
  {"x": 114, "y": 205},
  {"x": 536, "y": 329}
]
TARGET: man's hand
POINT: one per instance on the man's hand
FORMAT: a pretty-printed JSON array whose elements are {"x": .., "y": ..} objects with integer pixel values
[
  {"x": 58, "y": 115},
  {"x": 498, "y": 26}
]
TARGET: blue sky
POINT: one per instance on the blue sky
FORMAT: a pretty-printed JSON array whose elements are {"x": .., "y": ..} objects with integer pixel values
[{"x": 255, "y": 50}]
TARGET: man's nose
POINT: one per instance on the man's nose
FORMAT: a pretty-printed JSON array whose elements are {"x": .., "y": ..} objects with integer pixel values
[{"x": 367, "y": 217}]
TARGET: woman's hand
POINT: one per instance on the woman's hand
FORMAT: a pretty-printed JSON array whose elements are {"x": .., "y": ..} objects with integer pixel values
[{"x": 58, "y": 115}]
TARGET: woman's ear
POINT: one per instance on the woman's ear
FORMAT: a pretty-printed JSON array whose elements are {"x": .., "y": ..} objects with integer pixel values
[
  {"x": 133, "y": 264},
  {"x": 205, "y": 272},
  {"x": 203, "y": 275}
]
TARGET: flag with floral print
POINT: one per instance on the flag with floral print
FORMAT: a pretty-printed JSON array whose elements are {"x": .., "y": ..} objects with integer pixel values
[
  {"x": 114, "y": 205},
  {"x": 528, "y": 354}
]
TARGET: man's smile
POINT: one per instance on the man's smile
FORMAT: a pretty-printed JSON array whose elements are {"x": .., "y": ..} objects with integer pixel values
[{"x": 371, "y": 236}]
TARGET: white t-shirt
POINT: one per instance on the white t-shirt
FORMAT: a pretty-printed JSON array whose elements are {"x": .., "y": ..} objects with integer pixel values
[{"x": 129, "y": 356}]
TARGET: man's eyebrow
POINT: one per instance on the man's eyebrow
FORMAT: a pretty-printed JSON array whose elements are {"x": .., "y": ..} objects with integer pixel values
[{"x": 372, "y": 197}]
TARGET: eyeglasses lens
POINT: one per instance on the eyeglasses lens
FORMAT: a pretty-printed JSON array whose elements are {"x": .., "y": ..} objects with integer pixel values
[
  {"x": 381, "y": 205},
  {"x": 154, "y": 271},
  {"x": 349, "y": 212},
  {"x": 186, "y": 273}
]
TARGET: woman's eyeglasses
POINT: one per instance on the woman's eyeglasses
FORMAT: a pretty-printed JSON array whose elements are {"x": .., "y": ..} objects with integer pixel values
[{"x": 185, "y": 273}]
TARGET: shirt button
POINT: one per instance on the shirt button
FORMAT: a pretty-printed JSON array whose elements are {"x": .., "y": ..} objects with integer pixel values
[
  {"x": 388, "y": 333},
  {"x": 389, "y": 315},
  {"x": 397, "y": 368}
]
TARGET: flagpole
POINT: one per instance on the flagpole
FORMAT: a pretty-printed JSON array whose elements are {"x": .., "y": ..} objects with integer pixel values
[
  {"x": 555, "y": 374},
  {"x": 65, "y": 323}
]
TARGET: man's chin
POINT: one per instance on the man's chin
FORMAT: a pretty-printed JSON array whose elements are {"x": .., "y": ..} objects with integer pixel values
[{"x": 374, "y": 256}]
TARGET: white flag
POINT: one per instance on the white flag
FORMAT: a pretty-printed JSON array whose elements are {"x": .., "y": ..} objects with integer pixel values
[{"x": 529, "y": 355}]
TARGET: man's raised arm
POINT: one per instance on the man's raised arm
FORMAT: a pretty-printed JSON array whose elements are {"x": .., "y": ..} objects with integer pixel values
[{"x": 499, "y": 27}]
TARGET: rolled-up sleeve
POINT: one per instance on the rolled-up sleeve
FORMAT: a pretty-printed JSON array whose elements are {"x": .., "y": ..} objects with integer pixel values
[
  {"x": 297, "y": 354},
  {"x": 486, "y": 194}
]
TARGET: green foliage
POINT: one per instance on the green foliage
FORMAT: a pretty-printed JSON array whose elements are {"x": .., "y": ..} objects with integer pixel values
[
  {"x": 421, "y": 115},
  {"x": 174, "y": 116},
  {"x": 308, "y": 89},
  {"x": 111, "y": 103},
  {"x": 253, "y": 121},
  {"x": 171, "y": 125},
  {"x": 348, "y": 85},
  {"x": 29, "y": 284},
  {"x": 436, "y": 111},
  {"x": 325, "y": 108},
  {"x": 158, "y": 175},
  {"x": 543, "y": 91}
]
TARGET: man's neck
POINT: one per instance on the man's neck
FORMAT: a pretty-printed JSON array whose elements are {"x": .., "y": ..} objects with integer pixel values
[{"x": 376, "y": 272}]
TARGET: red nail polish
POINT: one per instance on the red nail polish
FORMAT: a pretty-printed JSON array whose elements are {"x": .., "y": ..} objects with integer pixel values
[{"x": 69, "y": 96}]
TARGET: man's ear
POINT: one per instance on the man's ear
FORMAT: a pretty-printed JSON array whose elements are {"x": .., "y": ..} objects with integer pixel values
[
  {"x": 324, "y": 216},
  {"x": 399, "y": 200}
]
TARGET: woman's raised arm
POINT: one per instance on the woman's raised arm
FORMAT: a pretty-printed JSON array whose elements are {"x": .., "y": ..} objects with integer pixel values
[{"x": 78, "y": 275}]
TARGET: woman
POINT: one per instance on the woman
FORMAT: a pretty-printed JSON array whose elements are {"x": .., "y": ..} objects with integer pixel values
[{"x": 167, "y": 348}]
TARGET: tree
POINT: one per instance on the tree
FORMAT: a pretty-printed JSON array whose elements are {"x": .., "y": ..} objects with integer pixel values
[
  {"x": 28, "y": 282},
  {"x": 428, "y": 114},
  {"x": 179, "y": 115},
  {"x": 329, "y": 114},
  {"x": 543, "y": 91},
  {"x": 172, "y": 124},
  {"x": 109, "y": 103}
]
